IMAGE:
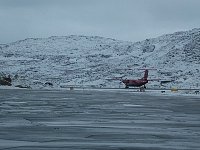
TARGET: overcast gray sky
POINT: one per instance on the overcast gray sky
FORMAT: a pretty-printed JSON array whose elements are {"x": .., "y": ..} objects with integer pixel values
[{"x": 130, "y": 20}]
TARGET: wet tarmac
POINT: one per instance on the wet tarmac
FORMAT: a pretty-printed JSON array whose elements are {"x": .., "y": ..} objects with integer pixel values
[{"x": 97, "y": 120}]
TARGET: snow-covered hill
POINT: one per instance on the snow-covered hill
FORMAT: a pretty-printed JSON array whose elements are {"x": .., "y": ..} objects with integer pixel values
[{"x": 91, "y": 60}]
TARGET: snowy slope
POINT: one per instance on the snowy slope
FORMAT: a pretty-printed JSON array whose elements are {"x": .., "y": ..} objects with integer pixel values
[{"x": 91, "y": 60}]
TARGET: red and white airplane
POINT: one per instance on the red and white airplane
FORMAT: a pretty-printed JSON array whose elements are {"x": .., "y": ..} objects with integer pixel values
[{"x": 137, "y": 83}]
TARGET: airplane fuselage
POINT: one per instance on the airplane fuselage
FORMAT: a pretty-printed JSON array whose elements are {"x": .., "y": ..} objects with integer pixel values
[{"x": 135, "y": 83}]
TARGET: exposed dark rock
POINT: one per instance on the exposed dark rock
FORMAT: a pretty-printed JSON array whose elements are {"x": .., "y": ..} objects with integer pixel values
[
  {"x": 21, "y": 86},
  {"x": 5, "y": 80},
  {"x": 49, "y": 84}
]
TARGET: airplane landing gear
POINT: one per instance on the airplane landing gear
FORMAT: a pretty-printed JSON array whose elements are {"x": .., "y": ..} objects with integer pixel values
[{"x": 142, "y": 89}]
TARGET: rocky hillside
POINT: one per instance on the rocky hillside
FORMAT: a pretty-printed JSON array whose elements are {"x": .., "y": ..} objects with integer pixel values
[{"x": 92, "y": 60}]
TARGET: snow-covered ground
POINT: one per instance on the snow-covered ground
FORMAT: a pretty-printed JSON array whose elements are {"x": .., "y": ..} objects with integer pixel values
[
  {"x": 104, "y": 120},
  {"x": 168, "y": 92},
  {"x": 92, "y": 60}
]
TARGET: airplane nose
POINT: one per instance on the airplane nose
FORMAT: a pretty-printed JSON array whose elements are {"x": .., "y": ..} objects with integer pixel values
[{"x": 125, "y": 81}]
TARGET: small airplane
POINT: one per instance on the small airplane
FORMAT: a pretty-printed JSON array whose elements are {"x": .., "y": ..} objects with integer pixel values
[{"x": 137, "y": 83}]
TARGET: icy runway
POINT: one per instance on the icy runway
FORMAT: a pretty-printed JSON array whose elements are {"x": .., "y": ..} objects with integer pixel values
[{"x": 97, "y": 120}]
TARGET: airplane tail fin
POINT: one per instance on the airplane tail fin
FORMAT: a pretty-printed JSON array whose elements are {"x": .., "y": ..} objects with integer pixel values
[{"x": 145, "y": 74}]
